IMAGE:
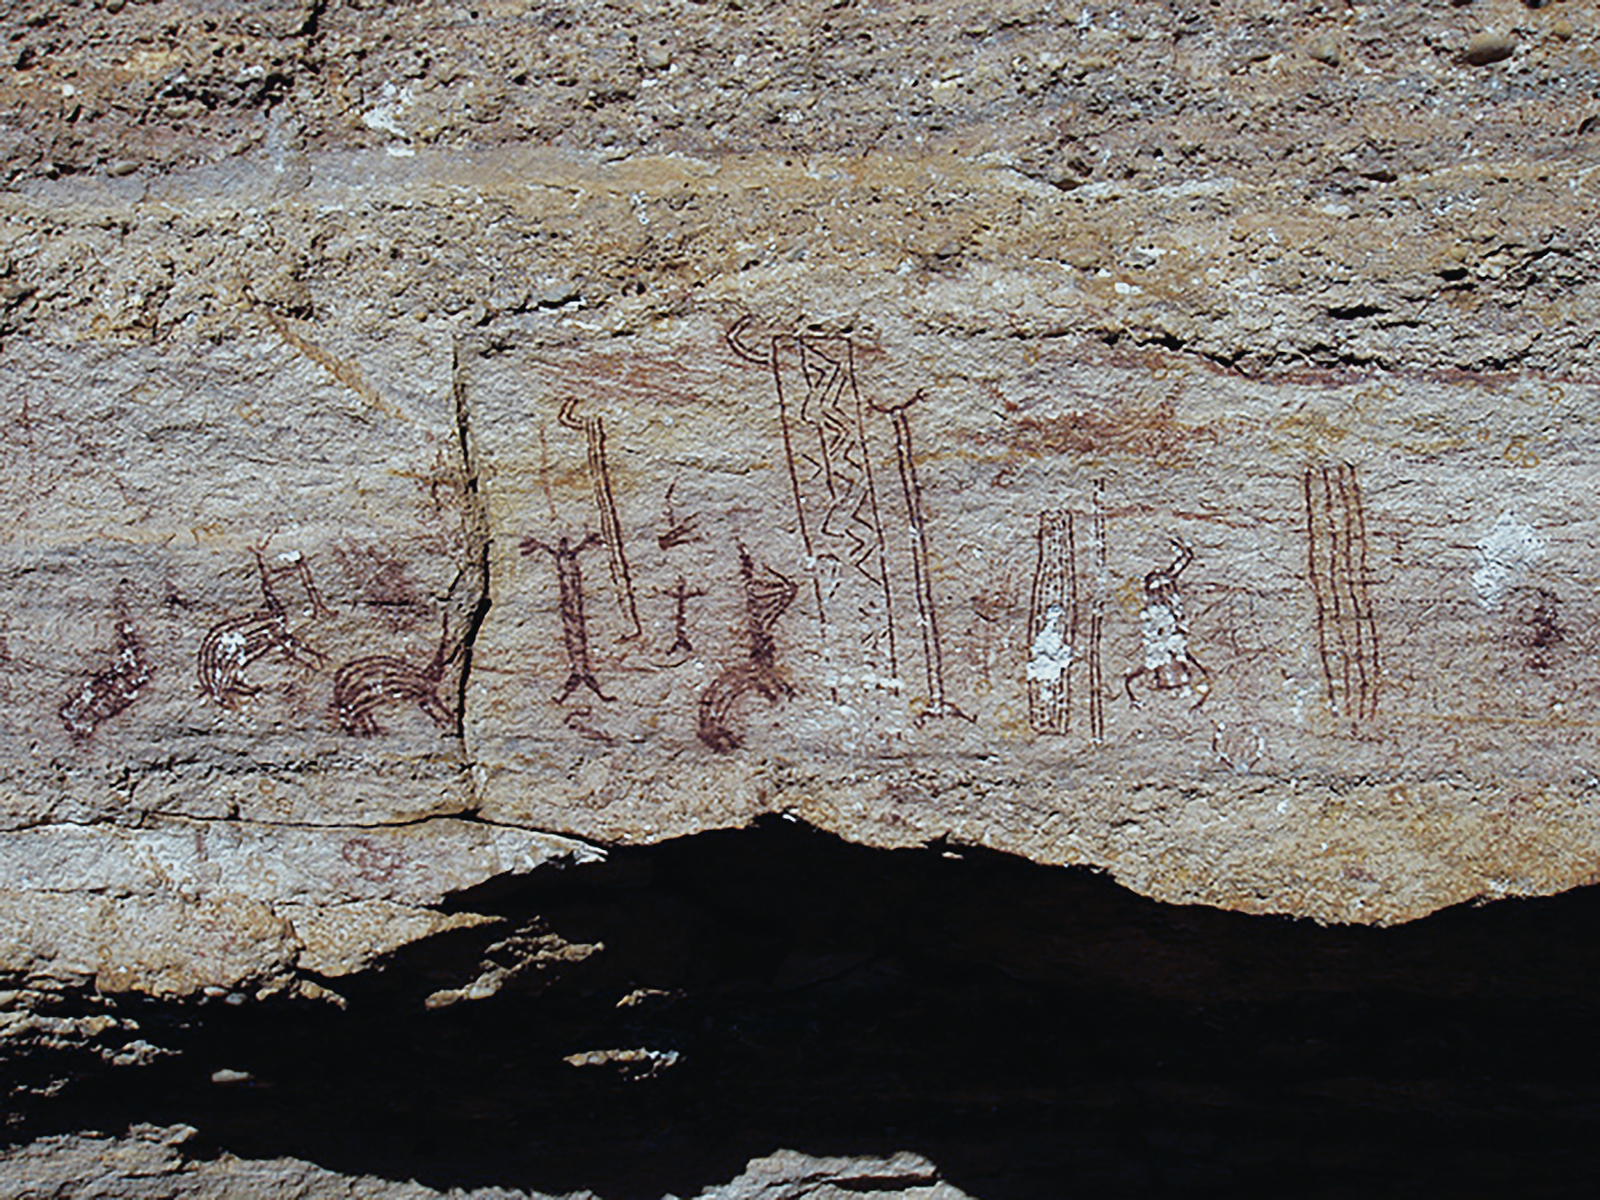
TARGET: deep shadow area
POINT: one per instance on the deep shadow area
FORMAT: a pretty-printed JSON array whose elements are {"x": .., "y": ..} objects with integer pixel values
[{"x": 1037, "y": 1032}]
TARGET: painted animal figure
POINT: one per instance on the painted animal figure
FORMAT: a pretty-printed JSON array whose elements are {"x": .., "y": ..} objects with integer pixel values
[
  {"x": 234, "y": 644},
  {"x": 363, "y": 685},
  {"x": 107, "y": 693},
  {"x": 1167, "y": 660}
]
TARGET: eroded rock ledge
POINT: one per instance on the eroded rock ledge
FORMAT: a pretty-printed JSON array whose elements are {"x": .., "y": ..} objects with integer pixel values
[
  {"x": 456, "y": 445},
  {"x": 1158, "y": 441},
  {"x": 1020, "y": 1030},
  {"x": 149, "y": 1164}
]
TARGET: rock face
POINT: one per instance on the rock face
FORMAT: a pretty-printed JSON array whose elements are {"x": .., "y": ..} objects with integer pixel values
[
  {"x": 1263, "y": 644},
  {"x": 149, "y": 1164},
  {"x": 443, "y": 443}
]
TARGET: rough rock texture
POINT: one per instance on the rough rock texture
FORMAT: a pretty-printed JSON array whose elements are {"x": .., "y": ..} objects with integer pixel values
[
  {"x": 149, "y": 1164},
  {"x": 444, "y": 442},
  {"x": 1034, "y": 1031},
  {"x": 1143, "y": 439}
]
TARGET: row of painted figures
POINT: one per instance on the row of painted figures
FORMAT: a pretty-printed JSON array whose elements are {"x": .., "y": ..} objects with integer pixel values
[
  {"x": 859, "y": 536},
  {"x": 842, "y": 520},
  {"x": 1067, "y": 620},
  {"x": 365, "y": 685},
  {"x": 361, "y": 686}
]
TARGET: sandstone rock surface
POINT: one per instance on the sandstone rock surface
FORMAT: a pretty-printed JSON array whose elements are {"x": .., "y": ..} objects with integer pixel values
[
  {"x": 149, "y": 1163},
  {"x": 440, "y": 446}
]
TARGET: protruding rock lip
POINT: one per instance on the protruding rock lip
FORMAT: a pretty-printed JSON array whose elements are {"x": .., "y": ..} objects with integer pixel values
[{"x": 780, "y": 987}]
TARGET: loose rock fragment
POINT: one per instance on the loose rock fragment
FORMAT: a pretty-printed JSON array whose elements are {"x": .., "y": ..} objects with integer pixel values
[
  {"x": 1486, "y": 48},
  {"x": 1325, "y": 49}
]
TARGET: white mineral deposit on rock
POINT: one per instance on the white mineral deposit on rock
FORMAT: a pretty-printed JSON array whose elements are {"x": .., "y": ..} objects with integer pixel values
[
  {"x": 1050, "y": 656},
  {"x": 1504, "y": 558}
]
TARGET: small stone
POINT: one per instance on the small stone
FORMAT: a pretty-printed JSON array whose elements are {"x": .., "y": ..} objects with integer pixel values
[
  {"x": 556, "y": 294},
  {"x": 1487, "y": 48},
  {"x": 121, "y": 167},
  {"x": 1325, "y": 49},
  {"x": 656, "y": 56},
  {"x": 643, "y": 996},
  {"x": 315, "y": 991},
  {"x": 229, "y": 1078}
]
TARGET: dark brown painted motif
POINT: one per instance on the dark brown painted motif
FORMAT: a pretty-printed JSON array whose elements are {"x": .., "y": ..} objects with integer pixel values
[
  {"x": 1053, "y": 620},
  {"x": 264, "y": 632},
  {"x": 768, "y": 596},
  {"x": 1336, "y": 563},
  {"x": 364, "y": 685},
  {"x": 1168, "y": 665},
  {"x": 112, "y": 689},
  {"x": 574, "y": 623},
  {"x": 593, "y": 429},
  {"x": 837, "y": 507}
]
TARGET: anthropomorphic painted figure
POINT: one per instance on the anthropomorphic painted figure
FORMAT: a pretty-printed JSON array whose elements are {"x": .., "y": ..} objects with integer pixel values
[{"x": 1167, "y": 660}]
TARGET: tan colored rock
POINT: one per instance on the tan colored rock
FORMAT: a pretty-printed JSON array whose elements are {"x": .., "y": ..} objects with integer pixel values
[
  {"x": 149, "y": 1163},
  {"x": 1487, "y": 47},
  {"x": 1260, "y": 643},
  {"x": 1118, "y": 439}
]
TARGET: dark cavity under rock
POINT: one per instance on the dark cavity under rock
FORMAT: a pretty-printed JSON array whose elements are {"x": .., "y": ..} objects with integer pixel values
[{"x": 1035, "y": 1032}]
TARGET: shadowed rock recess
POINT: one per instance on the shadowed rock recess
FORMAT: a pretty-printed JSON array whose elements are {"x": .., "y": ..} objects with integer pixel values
[
  {"x": 651, "y": 1025},
  {"x": 800, "y": 599}
]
